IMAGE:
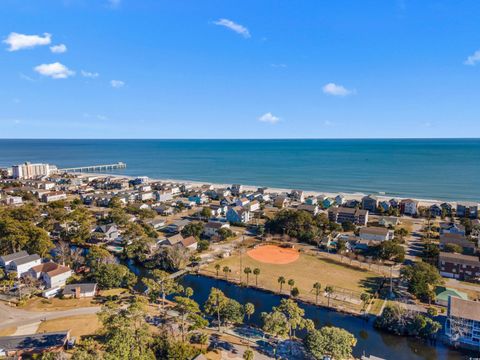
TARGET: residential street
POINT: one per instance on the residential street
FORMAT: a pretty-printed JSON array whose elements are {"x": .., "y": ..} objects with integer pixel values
[{"x": 10, "y": 316}]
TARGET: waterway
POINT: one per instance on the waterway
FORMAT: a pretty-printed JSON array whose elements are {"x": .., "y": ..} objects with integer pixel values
[{"x": 370, "y": 340}]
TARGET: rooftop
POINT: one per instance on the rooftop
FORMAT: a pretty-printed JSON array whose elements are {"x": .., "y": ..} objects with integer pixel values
[{"x": 466, "y": 309}]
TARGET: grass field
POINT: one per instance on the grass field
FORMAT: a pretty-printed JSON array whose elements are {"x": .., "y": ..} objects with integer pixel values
[
  {"x": 307, "y": 270},
  {"x": 8, "y": 331},
  {"x": 78, "y": 325},
  {"x": 56, "y": 304}
]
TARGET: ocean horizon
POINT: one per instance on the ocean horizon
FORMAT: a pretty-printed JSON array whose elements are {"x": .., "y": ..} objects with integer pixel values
[{"x": 441, "y": 169}]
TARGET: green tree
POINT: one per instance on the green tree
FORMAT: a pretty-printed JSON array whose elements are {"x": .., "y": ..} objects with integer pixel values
[
  {"x": 203, "y": 245},
  {"x": 113, "y": 276},
  {"x": 206, "y": 213},
  {"x": 316, "y": 288},
  {"x": 421, "y": 278},
  {"x": 329, "y": 291},
  {"x": 226, "y": 270},
  {"x": 126, "y": 333},
  {"x": 247, "y": 271},
  {"x": 227, "y": 310},
  {"x": 160, "y": 284},
  {"x": 331, "y": 341},
  {"x": 453, "y": 248},
  {"x": 188, "y": 309},
  {"x": 365, "y": 297},
  {"x": 256, "y": 272},
  {"x": 248, "y": 355},
  {"x": 193, "y": 229},
  {"x": 225, "y": 233},
  {"x": 217, "y": 268},
  {"x": 284, "y": 319},
  {"x": 249, "y": 310},
  {"x": 281, "y": 280},
  {"x": 294, "y": 292},
  {"x": 291, "y": 283}
]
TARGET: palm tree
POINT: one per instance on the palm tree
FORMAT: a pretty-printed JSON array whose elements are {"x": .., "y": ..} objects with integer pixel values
[
  {"x": 329, "y": 291},
  {"x": 291, "y": 283},
  {"x": 226, "y": 270},
  {"x": 247, "y": 271},
  {"x": 316, "y": 288},
  {"x": 281, "y": 280},
  {"x": 217, "y": 267},
  {"x": 256, "y": 272}
]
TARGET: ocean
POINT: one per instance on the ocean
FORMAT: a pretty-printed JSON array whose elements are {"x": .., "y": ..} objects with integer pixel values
[{"x": 443, "y": 169}]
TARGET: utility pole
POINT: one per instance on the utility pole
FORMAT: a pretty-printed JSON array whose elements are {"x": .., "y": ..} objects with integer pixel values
[{"x": 241, "y": 266}]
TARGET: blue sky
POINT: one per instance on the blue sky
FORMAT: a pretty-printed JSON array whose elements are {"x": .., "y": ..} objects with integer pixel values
[{"x": 239, "y": 69}]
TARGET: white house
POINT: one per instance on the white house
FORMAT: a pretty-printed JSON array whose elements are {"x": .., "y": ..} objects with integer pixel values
[
  {"x": 242, "y": 202},
  {"x": 238, "y": 214},
  {"x": 7, "y": 259},
  {"x": 52, "y": 274},
  {"x": 313, "y": 209},
  {"x": 23, "y": 264},
  {"x": 253, "y": 205},
  {"x": 85, "y": 290},
  {"x": 189, "y": 243},
  {"x": 212, "y": 228},
  {"x": 376, "y": 234},
  {"x": 408, "y": 207}
]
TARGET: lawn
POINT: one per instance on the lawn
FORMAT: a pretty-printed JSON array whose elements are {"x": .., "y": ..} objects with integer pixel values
[
  {"x": 8, "y": 331},
  {"x": 307, "y": 270},
  {"x": 78, "y": 325},
  {"x": 56, "y": 304}
]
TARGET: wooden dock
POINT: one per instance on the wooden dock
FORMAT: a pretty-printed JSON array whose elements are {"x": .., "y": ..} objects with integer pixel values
[{"x": 92, "y": 168}]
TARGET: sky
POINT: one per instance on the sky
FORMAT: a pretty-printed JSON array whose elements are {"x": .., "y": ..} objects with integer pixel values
[{"x": 239, "y": 69}]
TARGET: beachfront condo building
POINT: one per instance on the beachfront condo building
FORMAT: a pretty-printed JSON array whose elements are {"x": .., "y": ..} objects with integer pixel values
[{"x": 31, "y": 171}]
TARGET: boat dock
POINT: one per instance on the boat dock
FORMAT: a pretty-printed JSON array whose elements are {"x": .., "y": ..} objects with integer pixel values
[{"x": 119, "y": 165}]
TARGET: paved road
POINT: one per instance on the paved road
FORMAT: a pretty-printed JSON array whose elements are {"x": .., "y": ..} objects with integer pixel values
[
  {"x": 10, "y": 316},
  {"x": 414, "y": 242}
]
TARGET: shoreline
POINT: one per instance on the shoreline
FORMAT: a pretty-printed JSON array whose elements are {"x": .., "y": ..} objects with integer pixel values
[{"x": 252, "y": 188}]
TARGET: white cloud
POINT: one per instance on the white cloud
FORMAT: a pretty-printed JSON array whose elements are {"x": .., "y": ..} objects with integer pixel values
[
  {"x": 102, "y": 117},
  {"x": 18, "y": 41},
  {"x": 88, "y": 74},
  {"x": 327, "y": 123},
  {"x": 336, "y": 90},
  {"x": 117, "y": 83},
  {"x": 278, "y": 66},
  {"x": 58, "y": 49},
  {"x": 229, "y": 24},
  {"x": 473, "y": 59},
  {"x": 55, "y": 70},
  {"x": 269, "y": 118}
]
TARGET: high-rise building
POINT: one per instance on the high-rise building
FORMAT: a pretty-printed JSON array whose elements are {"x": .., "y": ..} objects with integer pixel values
[{"x": 30, "y": 171}]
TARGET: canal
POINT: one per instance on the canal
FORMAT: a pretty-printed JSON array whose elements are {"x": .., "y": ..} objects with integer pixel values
[{"x": 370, "y": 340}]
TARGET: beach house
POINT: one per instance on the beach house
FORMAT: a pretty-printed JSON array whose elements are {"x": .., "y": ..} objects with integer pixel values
[
  {"x": 460, "y": 240},
  {"x": 342, "y": 215},
  {"x": 376, "y": 234},
  {"x": 212, "y": 227},
  {"x": 408, "y": 207},
  {"x": 21, "y": 264},
  {"x": 238, "y": 214},
  {"x": 462, "y": 326},
  {"x": 370, "y": 203},
  {"x": 467, "y": 210},
  {"x": 52, "y": 274}
]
